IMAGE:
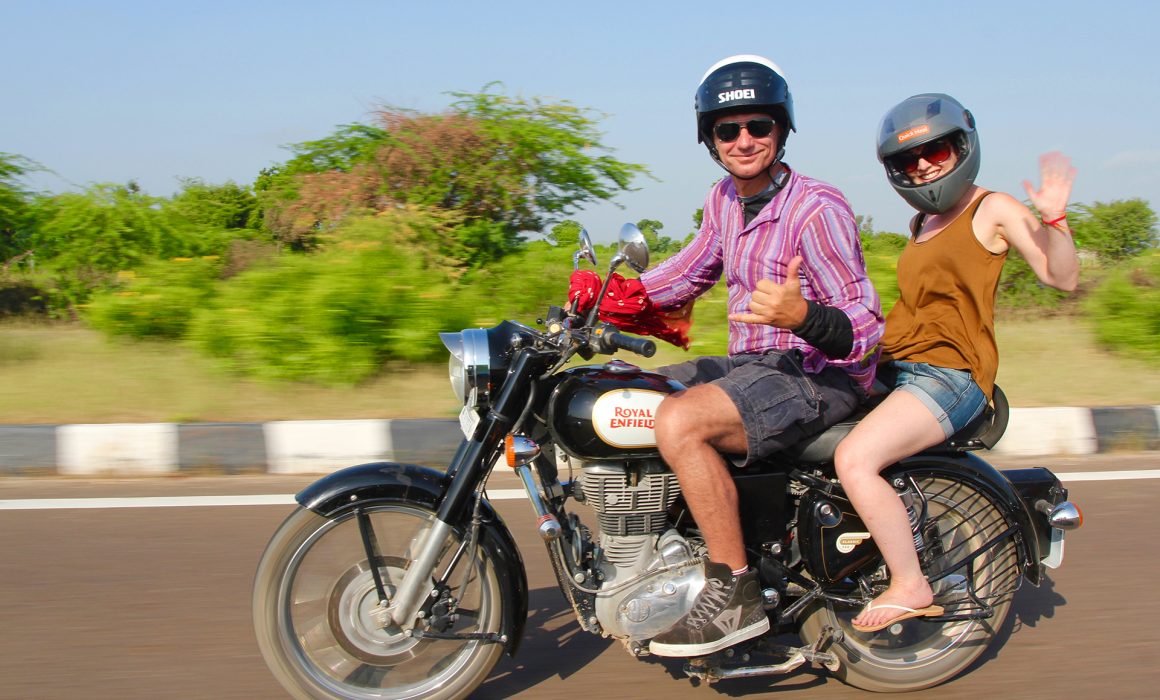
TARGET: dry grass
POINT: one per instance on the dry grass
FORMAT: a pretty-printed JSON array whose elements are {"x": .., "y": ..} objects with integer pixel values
[
  {"x": 1056, "y": 362},
  {"x": 68, "y": 374}
]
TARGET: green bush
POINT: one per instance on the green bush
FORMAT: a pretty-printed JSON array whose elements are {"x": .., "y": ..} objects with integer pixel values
[
  {"x": 1124, "y": 309},
  {"x": 881, "y": 251},
  {"x": 25, "y": 294},
  {"x": 88, "y": 240},
  {"x": 156, "y": 301},
  {"x": 1115, "y": 230},
  {"x": 334, "y": 317},
  {"x": 525, "y": 284},
  {"x": 1020, "y": 288}
]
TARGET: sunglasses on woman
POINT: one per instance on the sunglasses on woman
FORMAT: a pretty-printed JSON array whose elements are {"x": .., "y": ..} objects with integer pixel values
[
  {"x": 935, "y": 152},
  {"x": 727, "y": 132}
]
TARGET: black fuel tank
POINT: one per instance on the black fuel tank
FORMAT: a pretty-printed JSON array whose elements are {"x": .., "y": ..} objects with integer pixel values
[{"x": 608, "y": 411}]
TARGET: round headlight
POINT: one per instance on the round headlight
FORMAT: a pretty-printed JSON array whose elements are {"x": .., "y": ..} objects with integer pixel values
[{"x": 469, "y": 367}]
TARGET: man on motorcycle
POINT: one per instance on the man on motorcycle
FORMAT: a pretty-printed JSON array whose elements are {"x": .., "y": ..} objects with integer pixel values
[{"x": 804, "y": 327}]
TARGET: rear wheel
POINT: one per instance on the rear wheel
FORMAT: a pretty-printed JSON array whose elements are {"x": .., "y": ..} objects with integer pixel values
[
  {"x": 313, "y": 597},
  {"x": 916, "y": 654}
]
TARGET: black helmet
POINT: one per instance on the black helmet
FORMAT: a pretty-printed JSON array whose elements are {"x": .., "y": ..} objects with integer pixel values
[
  {"x": 922, "y": 119},
  {"x": 742, "y": 84}
]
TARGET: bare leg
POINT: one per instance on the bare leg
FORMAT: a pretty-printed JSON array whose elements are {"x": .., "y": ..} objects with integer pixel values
[
  {"x": 899, "y": 427},
  {"x": 692, "y": 426}
]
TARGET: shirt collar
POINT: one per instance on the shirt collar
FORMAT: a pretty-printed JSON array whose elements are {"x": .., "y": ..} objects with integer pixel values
[{"x": 771, "y": 211}]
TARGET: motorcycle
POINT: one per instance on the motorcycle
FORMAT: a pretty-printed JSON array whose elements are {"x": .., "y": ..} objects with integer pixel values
[{"x": 401, "y": 581}]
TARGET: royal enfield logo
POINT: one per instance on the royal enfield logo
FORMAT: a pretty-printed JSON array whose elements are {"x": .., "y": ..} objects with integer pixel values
[
  {"x": 848, "y": 541},
  {"x": 627, "y": 418},
  {"x": 741, "y": 94}
]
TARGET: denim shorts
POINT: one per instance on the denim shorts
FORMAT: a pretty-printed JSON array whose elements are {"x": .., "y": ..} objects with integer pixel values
[
  {"x": 951, "y": 394},
  {"x": 779, "y": 402}
]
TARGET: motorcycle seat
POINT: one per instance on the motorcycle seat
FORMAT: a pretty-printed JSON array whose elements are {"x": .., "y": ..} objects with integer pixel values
[{"x": 983, "y": 432}]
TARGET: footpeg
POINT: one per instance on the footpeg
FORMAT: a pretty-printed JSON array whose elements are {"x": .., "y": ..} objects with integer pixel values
[{"x": 710, "y": 669}]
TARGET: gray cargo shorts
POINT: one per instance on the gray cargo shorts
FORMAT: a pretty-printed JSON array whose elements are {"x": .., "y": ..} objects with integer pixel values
[{"x": 780, "y": 404}]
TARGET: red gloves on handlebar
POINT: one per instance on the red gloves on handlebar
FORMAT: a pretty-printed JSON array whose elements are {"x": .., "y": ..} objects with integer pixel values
[{"x": 627, "y": 306}]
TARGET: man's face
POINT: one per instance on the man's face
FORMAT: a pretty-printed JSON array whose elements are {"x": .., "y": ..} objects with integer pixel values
[{"x": 746, "y": 155}]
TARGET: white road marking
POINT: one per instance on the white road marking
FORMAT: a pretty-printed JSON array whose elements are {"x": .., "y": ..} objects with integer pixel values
[
  {"x": 147, "y": 502},
  {"x": 1109, "y": 476},
  {"x": 288, "y": 499}
]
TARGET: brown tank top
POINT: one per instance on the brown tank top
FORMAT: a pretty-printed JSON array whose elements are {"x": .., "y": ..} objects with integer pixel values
[{"x": 945, "y": 314}]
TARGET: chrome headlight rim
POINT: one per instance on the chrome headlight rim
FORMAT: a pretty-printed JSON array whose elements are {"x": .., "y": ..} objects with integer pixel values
[{"x": 469, "y": 367}]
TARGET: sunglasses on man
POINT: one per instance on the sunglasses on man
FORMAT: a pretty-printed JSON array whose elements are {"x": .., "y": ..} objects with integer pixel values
[
  {"x": 935, "y": 152},
  {"x": 728, "y": 132}
]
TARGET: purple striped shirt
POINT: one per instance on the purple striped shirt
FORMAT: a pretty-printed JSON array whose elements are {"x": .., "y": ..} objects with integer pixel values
[{"x": 808, "y": 218}]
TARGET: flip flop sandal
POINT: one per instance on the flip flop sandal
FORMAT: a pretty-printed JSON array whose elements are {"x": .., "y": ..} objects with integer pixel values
[{"x": 907, "y": 613}]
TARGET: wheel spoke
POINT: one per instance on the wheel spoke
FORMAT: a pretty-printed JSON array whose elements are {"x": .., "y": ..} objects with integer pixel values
[{"x": 371, "y": 547}]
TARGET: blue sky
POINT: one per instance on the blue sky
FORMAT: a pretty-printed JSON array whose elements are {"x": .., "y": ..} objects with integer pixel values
[{"x": 154, "y": 91}]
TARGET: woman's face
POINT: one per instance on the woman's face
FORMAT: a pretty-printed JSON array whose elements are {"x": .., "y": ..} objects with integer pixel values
[{"x": 928, "y": 162}]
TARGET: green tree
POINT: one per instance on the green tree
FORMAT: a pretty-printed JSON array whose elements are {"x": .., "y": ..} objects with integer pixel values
[
  {"x": 504, "y": 166},
  {"x": 1116, "y": 230},
  {"x": 565, "y": 234},
  {"x": 14, "y": 206},
  {"x": 106, "y": 228},
  {"x": 348, "y": 146},
  {"x": 657, "y": 243},
  {"x": 85, "y": 238},
  {"x": 222, "y": 207}
]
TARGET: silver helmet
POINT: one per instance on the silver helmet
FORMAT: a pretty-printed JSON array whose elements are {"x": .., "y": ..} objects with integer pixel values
[{"x": 923, "y": 119}]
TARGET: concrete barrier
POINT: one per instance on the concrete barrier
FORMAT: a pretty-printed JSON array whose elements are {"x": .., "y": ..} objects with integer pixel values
[
  {"x": 1046, "y": 431},
  {"x": 320, "y": 447},
  {"x": 119, "y": 448}
]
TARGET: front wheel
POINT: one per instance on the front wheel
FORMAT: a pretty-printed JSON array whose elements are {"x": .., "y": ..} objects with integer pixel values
[
  {"x": 315, "y": 590},
  {"x": 916, "y": 654}
]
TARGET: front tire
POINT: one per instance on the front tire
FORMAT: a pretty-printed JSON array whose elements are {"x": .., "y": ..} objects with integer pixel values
[
  {"x": 314, "y": 590},
  {"x": 916, "y": 654}
]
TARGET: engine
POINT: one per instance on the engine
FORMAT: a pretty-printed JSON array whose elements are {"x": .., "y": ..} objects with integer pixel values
[
  {"x": 603, "y": 419},
  {"x": 651, "y": 574}
]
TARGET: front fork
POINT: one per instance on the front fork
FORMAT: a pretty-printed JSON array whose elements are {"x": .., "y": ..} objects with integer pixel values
[{"x": 469, "y": 470}]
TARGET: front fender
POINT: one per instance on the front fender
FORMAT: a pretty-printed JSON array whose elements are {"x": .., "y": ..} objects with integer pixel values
[
  {"x": 979, "y": 473},
  {"x": 392, "y": 482},
  {"x": 374, "y": 481}
]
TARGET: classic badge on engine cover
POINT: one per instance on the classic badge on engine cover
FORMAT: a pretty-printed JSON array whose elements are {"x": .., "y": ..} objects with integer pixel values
[
  {"x": 627, "y": 417},
  {"x": 848, "y": 541}
]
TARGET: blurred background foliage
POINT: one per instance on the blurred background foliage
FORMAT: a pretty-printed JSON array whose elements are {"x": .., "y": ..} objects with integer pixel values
[{"x": 353, "y": 254}]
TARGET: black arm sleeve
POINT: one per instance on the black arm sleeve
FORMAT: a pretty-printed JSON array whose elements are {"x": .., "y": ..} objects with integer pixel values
[{"x": 828, "y": 330}]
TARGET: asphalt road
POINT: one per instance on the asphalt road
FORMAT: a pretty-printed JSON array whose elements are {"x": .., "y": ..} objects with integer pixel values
[{"x": 126, "y": 603}]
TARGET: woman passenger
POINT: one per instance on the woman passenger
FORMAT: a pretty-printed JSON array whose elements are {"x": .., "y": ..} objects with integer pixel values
[{"x": 939, "y": 355}]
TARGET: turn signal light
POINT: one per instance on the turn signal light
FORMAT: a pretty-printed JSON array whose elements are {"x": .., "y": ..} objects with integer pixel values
[
  {"x": 1065, "y": 516},
  {"x": 519, "y": 450}
]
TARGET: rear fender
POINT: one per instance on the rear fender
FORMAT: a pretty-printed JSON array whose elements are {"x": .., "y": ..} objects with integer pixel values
[
  {"x": 967, "y": 467},
  {"x": 391, "y": 482},
  {"x": 1034, "y": 485}
]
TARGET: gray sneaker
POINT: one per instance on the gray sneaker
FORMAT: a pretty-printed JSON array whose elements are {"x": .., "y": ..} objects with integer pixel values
[{"x": 728, "y": 610}]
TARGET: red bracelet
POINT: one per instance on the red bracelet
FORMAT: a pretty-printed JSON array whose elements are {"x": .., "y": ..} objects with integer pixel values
[{"x": 1053, "y": 222}]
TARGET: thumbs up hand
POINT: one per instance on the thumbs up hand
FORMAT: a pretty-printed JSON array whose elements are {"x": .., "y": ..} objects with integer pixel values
[{"x": 779, "y": 305}]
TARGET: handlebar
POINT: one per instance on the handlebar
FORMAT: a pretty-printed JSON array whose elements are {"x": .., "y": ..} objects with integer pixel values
[{"x": 641, "y": 346}]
